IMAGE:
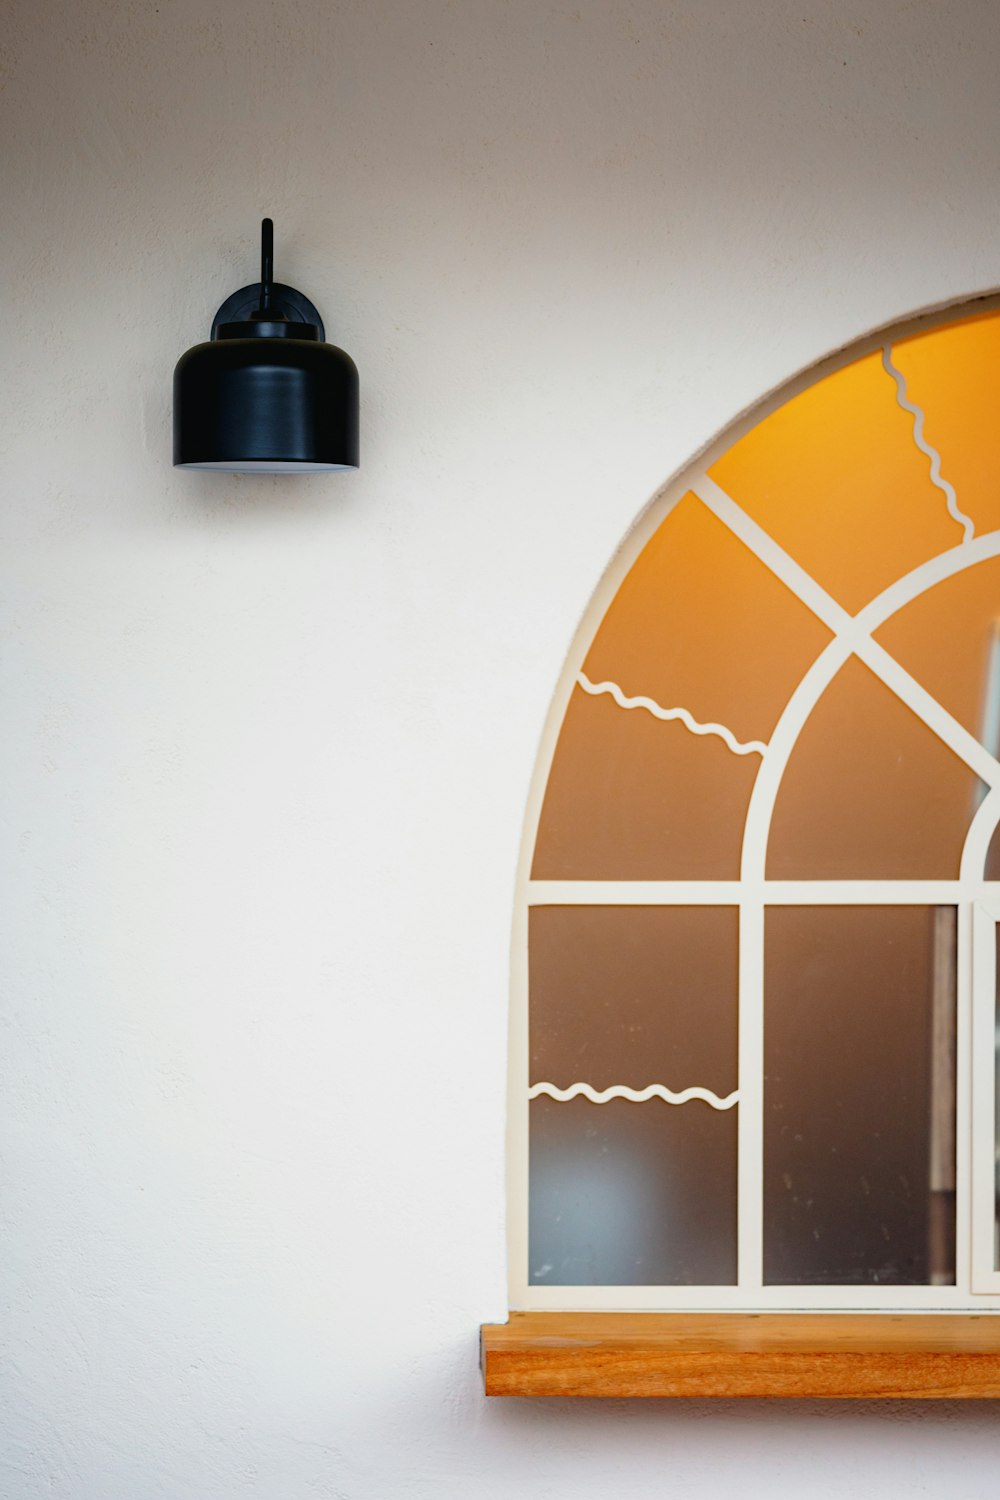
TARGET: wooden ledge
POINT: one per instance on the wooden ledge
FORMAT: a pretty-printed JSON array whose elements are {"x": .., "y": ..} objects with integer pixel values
[{"x": 916, "y": 1355}]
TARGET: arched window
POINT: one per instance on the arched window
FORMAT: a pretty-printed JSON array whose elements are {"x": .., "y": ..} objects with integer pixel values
[{"x": 753, "y": 1056}]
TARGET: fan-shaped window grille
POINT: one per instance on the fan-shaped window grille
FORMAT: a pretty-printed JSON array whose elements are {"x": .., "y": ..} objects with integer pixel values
[{"x": 753, "y": 1051}]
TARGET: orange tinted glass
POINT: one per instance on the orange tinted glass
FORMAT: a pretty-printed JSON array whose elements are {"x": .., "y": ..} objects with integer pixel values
[
  {"x": 835, "y": 477},
  {"x": 949, "y": 640},
  {"x": 860, "y": 478},
  {"x": 630, "y": 798},
  {"x": 624, "y": 1194},
  {"x": 699, "y": 621},
  {"x": 870, "y": 793}
]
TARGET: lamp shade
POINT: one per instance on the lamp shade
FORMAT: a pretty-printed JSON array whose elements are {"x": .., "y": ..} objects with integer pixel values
[{"x": 266, "y": 394}]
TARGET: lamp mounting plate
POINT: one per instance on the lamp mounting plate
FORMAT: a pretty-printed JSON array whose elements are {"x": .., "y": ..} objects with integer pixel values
[{"x": 285, "y": 300}]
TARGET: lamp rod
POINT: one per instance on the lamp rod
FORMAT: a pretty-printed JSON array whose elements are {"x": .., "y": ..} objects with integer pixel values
[{"x": 266, "y": 263}]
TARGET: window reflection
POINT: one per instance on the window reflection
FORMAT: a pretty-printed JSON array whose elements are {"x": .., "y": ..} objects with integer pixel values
[
  {"x": 859, "y": 1133},
  {"x": 624, "y": 1194}
]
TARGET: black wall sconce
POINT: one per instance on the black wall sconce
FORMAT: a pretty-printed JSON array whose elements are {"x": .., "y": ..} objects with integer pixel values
[{"x": 267, "y": 395}]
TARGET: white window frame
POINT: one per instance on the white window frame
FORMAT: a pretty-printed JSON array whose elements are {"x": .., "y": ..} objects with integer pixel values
[
  {"x": 985, "y": 1273},
  {"x": 753, "y": 893}
]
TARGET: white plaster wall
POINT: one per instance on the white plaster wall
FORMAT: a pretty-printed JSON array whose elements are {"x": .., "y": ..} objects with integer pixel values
[{"x": 267, "y": 742}]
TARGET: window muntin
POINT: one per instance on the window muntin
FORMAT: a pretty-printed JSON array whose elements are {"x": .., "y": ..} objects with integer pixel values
[
  {"x": 876, "y": 761},
  {"x": 949, "y": 639},
  {"x": 891, "y": 570},
  {"x": 694, "y": 618},
  {"x": 986, "y": 1098}
]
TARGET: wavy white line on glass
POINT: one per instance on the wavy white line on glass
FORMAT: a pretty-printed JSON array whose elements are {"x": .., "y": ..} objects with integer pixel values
[
  {"x": 947, "y": 490},
  {"x": 751, "y": 747},
  {"x": 637, "y": 1096}
]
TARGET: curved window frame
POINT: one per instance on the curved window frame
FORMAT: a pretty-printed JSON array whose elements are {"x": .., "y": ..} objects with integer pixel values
[{"x": 753, "y": 893}]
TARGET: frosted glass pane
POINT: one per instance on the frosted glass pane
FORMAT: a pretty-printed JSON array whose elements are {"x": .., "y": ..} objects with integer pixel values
[
  {"x": 626, "y": 1194},
  {"x": 870, "y": 793},
  {"x": 996, "y": 1111},
  {"x": 634, "y": 995},
  {"x": 859, "y": 1095},
  {"x": 633, "y": 1193}
]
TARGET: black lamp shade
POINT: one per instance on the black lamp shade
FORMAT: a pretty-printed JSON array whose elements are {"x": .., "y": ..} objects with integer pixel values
[
  {"x": 270, "y": 405},
  {"x": 267, "y": 394}
]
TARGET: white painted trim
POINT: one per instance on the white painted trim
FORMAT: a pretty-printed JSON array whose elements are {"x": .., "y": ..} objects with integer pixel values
[
  {"x": 518, "y": 1110},
  {"x": 917, "y": 413},
  {"x": 975, "y": 1131},
  {"x": 773, "y": 892},
  {"x": 963, "y": 1102},
  {"x": 977, "y": 840},
  {"x": 928, "y": 1299},
  {"x": 763, "y": 546},
  {"x": 750, "y": 1117},
  {"x": 634, "y": 893},
  {"x": 985, "y": 1271},
  {"x": 800, "y": 705},
  {"x": 634, "y": 1096},
  {"x": 753, "y": 889},
  {"x": 668, "y": 715}
]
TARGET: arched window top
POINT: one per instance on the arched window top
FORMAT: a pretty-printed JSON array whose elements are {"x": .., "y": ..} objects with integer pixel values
[{"x": 770, "y": 773}]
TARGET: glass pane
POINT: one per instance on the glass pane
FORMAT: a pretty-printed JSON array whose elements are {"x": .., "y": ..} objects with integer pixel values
[
  {"x": 859, "y": 1093},
  {"x": 870, "y": 793},
  {"x": 625, "y": 1194},
  {"x": 634, "y": 995},
  {"x": 835, "y": 477},
  {"x": 632, "y": 798},
  {"x": 996, "y": 1108}
]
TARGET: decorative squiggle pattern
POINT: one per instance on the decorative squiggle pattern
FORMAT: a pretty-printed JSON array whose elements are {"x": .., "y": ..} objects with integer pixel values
[
  {"x": 738, "y": 747},
  {"x": 947, "y": 490},
  {"x": 637, "y": 1096}
]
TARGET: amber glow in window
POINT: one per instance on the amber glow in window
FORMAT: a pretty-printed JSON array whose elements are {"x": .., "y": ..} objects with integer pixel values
[{"x": 764, "y": 817}]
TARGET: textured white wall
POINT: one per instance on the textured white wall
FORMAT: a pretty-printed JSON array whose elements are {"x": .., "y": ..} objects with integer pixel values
[{"x": 267, "y": 742}]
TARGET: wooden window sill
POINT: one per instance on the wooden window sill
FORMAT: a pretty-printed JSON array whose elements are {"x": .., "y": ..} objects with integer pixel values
[{"x": 916, "y": 1355}]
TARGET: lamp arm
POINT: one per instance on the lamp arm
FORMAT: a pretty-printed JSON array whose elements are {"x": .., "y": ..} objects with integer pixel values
[{"x": 266, "y": 263}]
